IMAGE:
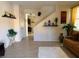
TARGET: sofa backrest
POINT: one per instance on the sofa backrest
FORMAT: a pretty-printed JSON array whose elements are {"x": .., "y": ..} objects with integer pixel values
[{"x": 75, "y": 35}]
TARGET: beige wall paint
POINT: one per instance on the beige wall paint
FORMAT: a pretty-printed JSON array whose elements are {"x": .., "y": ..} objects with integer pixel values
[
  {"x": 17, "y": 22},
  {"x": 45, "y": 10},
  {"x": 42, "y": 33},
  {"x": 5, "y": 23}
]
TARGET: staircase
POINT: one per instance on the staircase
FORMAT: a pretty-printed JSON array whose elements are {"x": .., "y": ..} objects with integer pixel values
[
  {"x": 45, "y": 14},
  {"x": 43, "y": 19}
]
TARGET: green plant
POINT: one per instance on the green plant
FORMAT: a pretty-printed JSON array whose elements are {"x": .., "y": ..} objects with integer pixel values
[
  {"x": 11, "y": 33},
  {"x": 68, "y": 28}
]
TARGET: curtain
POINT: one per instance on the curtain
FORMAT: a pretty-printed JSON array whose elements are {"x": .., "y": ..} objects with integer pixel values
[{"x": 74, "y": 14}]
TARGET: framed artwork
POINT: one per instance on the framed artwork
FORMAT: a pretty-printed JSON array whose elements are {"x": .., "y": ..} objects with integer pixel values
[{"x": 63, "y": 17}]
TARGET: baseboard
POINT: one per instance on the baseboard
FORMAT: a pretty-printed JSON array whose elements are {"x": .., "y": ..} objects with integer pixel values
[{"x": 48, "y": 41}]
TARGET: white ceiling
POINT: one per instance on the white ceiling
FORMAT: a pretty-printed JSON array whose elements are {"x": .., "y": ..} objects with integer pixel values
[{"x": 43, "y": 3}]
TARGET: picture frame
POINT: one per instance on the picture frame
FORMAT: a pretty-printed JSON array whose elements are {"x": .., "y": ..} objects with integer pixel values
[{"x": 63, "y": 17}]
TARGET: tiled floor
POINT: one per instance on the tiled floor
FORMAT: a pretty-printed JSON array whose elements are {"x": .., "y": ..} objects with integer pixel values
[{"x": 28, "y": 48}]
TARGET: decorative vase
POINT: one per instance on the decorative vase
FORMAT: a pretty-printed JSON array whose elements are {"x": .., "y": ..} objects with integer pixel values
[
  {"x": 49, "y": 22},
  {"x": 61, "y": 37}
]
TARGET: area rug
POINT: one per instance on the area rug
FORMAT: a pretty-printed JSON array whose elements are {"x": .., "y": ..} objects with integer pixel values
[{"x": 51, "y": 52}]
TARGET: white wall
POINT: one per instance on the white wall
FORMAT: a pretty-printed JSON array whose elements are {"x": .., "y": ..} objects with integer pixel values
[
  {"x": 5, "y": 23},
  {"x": 42, "y": 33},
  {"x": 45, "y": 10},
  {"x": 22, "y": 22},
  {"x": 16, "y": 22},
  {"x": 26, "y": 24}
]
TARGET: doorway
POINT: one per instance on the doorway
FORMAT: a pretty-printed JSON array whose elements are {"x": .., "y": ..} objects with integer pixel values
[{"x": 29, "y": 24}]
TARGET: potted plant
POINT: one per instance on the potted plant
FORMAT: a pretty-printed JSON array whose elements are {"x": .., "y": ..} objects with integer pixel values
[
  {"x": 11, "y": 34},
  {"x": 68, "y": 28}
]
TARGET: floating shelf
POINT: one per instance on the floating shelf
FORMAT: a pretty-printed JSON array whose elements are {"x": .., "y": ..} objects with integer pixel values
[
  {"x": 9, "y": 15},
  {"x": 50, "y": 25}
]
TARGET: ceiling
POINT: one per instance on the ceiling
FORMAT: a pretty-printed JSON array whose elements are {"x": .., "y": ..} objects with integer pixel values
[{"x": 43, "y": 3}]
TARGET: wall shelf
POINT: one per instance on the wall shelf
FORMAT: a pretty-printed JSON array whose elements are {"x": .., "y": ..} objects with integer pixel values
[
  {"x": 8, "y": 15},
  {"x": 50, "y": 25}
]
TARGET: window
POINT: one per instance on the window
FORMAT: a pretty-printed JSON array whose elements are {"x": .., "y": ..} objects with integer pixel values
[{"x": 75, "y": 17}]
